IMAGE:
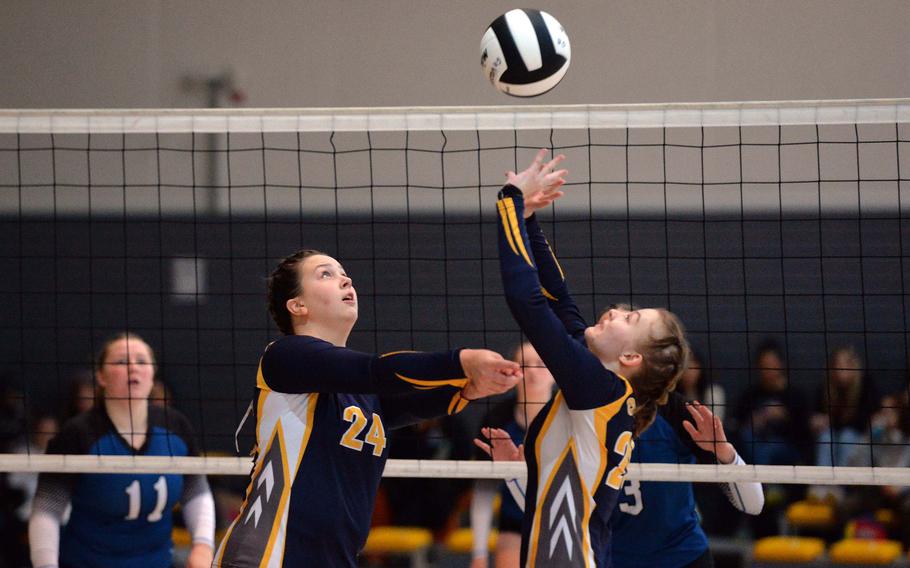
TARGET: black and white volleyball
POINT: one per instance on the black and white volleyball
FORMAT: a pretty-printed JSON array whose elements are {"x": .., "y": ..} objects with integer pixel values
[{"x": 525, "y": 53}]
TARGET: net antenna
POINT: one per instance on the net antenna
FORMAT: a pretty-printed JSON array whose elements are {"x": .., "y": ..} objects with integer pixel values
[{"x": 751, "y": 220}]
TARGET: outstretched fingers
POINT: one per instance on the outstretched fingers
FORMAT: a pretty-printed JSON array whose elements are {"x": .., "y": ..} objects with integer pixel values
[{"x": 500, "y": 446}]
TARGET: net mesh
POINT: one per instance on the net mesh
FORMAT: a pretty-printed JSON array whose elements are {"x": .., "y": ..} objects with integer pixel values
[{"x": 757, "y": 224}]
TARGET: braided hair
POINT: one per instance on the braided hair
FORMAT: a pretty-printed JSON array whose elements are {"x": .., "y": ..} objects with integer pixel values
[{"x": 664, "y": 360}]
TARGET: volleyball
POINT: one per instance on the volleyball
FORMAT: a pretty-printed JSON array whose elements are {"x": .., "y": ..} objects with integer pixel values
[{"x": 525, "y": 53}]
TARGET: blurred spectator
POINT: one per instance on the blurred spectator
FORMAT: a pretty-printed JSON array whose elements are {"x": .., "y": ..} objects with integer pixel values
[
  {"x": 12, "y": 413},
  {"x": 772, "y": 425},
  {"x": 82, "y": 394},
  {"x": 846, "y": 402},
  {"x": 161, "y": 394},
  {"x": 890, "y": 448},
  {"x": 717, "y": 517},
  {"x": 891, "y": 432},
  {"x": 771, "y": 418},
  {"x": 696, "y": 384}
]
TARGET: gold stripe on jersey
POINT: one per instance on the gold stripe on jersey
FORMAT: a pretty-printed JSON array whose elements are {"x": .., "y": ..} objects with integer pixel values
[
  {"x": 572, "y": 450},
  {"x": 557, "y": 402},
  {"x": 257, "y": 469},
  {"x": 249, "y": 488},
  {"x": 260, "y": 380},
  {"x": 513, "y": 223},
  {"x": 425, "y": 384},
  {"x": 457, "y": 404},
  {"x": 505, "y": 225},
  {"x": 312, "y": 401},
  {"x": 389, "y": 354},
  {"x": 282, "y": 503},
  {"x": 602, "y": 417},
  {"x": 548, "y": 295}
]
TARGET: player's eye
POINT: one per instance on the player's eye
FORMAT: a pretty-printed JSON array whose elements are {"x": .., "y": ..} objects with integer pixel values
[{"x": 325, "y": 274}]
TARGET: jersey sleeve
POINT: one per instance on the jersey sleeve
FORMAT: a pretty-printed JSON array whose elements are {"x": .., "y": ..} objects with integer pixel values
[
  {"x": 303, "y": 364},
  {"x": 553, "y": 281},
  {"x": 583, "y": 380},
  {"x": 403, "y": 410}
]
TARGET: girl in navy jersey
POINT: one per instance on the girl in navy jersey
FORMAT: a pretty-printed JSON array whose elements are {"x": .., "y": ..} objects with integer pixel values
[
  {"x": 322, "y": 415},
  {"x": 121, "y": 520},
  {"x": 612, "y": 377}
]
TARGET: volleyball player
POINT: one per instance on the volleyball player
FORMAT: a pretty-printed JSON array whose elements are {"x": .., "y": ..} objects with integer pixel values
[
  {"x": 533, "y": 391},
  {"x": 121, "y": 520},
  {"x": 322, "y": 413},
  {"x": 655, "y": 524},
  {"x": 612, "y": 376}
]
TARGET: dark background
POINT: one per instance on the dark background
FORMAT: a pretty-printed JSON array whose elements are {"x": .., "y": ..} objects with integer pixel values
[{"x": 428, "y": 284}]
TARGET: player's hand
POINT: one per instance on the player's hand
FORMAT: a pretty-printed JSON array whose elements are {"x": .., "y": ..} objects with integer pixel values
[
  {"x": 501, "y": 447},
  {"x": 708, "y": 432},
  {"x": 488, "y": 373},
  {"x": 201, "y": 556},
  {"x": 539, "y": 182}
]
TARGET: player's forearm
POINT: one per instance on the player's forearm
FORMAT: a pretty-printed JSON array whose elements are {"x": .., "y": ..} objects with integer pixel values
[
  {"x": 520, "y": 279},
  {"x": 199, "y": 515},
  {"x": 482, "y": 515},
  {"x": 553, "y": 281},
  {"x": 299, "y": 364},
  {"x": 582, "y": 378},
  {"x": 44, "y": 539},
  {"x": 725, "y": 452}
]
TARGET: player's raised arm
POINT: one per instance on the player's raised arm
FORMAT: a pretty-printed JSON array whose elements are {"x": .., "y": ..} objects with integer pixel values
[{"x": 576, "y": 369}]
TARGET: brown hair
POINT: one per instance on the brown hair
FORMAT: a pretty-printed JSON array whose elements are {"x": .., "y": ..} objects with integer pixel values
[
  {"x": 843, "y": 403},
  {"x": 284, "y": 284},
  {"x": 664, "y": 360},
  {"x": 106, "y": 346},
  {"x": 102, "y": 354}
]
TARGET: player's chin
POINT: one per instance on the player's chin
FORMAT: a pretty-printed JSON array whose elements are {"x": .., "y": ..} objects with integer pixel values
[{"x": 139, "y": 392}]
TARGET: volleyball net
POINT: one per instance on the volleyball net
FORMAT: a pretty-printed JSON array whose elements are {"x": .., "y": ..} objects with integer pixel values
[{"x": 757, "y": 223}]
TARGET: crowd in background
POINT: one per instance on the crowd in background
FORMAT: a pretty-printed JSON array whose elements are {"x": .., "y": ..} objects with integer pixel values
[{"x": 848, "y": 421}]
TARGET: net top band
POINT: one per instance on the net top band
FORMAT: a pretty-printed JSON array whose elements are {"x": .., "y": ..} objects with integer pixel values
[{"x": 674, "y": 115}]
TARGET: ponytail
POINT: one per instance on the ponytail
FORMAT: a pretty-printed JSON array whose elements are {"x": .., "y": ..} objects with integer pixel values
[{"x": 664, "y": 360}]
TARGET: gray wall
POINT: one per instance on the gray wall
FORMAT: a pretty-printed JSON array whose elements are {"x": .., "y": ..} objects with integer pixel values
[
  {"x": 330, "y": 53},
  {"x": 321, "y": 53}
]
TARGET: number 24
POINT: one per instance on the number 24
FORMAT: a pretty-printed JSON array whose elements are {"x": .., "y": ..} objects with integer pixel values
[{"x": 375, "y": 437}]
